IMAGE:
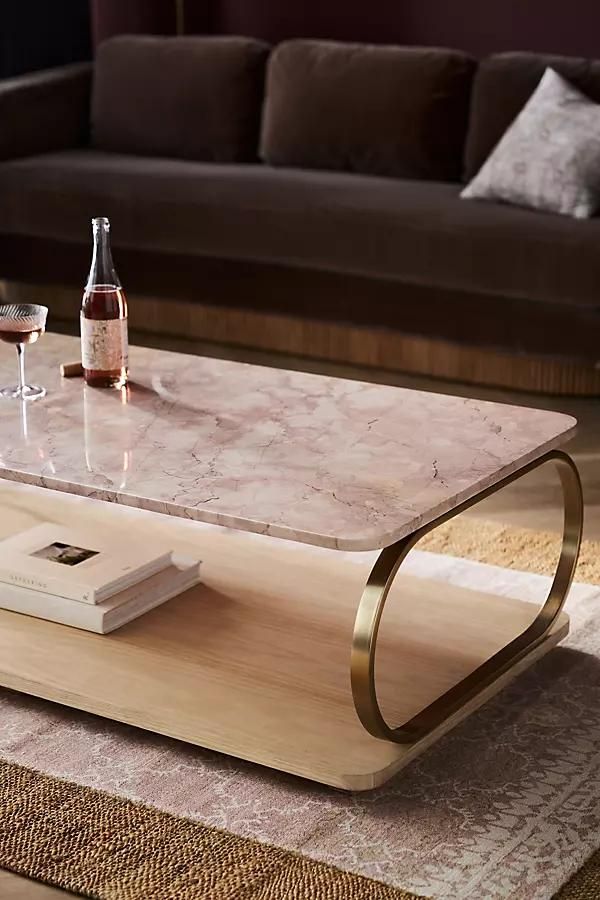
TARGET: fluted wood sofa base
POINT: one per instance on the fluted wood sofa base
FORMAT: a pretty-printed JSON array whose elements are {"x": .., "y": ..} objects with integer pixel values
[{"x": 183, "y": 324}]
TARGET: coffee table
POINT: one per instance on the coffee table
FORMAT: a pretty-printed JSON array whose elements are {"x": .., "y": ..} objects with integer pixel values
[{"x": 303, "y": 495}]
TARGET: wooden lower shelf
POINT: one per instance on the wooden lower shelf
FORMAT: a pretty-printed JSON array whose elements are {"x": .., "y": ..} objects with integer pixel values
[{"x": 255, "y": 662}]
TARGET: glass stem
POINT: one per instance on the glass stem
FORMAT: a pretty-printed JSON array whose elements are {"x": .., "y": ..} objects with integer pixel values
[{"x": 21, "y": 358}]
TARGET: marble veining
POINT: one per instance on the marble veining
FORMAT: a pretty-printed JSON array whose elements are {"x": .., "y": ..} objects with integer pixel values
[{"x": 326, "y": 461}]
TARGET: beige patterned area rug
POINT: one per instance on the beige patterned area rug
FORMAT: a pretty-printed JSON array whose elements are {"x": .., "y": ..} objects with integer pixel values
[{"x": 505, "y": 806}]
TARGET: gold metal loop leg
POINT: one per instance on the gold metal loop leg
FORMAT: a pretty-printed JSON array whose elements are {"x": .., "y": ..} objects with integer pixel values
[{"x": 372, "y": 603}]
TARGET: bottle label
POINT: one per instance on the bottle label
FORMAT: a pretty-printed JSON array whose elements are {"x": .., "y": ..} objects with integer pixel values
[{"x": 104, "y": 344}]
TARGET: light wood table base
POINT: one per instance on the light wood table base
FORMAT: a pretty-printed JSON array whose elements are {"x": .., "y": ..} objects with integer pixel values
[
  {"x": 255, "y": 662},
  {"x": 292, "y": 654}
]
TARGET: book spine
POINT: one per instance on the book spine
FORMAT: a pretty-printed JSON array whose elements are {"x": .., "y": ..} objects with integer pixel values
[
  {"x": 132, "y": 578},
  {"x": 48, "y": 586},
  {"x": 52, "y": 608},
  {"x": 93, "y": 618},
  {"x": 142, "y": 605}
]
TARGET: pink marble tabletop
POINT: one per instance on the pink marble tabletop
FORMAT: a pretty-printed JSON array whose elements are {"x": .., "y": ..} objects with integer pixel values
[{"x": 336, "y": 463}]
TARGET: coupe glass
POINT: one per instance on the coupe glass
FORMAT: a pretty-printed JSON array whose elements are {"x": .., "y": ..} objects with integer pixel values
[{"x": 21, "y": 324}]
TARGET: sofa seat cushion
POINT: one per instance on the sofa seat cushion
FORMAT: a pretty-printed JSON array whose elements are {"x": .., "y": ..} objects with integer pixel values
[
  {"x": 392, "y": 111},
  {"x": 184, "y": 97},
  {"x": 411, "y": 231}
]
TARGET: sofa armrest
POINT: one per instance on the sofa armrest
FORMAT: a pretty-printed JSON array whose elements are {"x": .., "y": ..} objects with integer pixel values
[{"x": 45, "y": 111}]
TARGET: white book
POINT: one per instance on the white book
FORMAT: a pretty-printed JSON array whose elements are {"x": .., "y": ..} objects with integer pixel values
[
  {"x": 76, "y": 564},
  {"x": 104, "y": 617}
]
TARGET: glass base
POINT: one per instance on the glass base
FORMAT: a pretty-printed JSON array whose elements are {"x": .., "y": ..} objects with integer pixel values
[{"x": 28, "y": 392}]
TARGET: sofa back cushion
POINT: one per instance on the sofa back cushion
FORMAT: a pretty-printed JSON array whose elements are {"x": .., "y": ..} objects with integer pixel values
[
  {"x": 380, "y": 110},
  {"x": 503, "y": 85},
  {"x": 197, "y": 98}
]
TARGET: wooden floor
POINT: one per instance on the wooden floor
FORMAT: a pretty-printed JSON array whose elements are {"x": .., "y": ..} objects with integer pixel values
[
  {"x": 534, "y": 503},
  {"x": 13, "y": 887}
]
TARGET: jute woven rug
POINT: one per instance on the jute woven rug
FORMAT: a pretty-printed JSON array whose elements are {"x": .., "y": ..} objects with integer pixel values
[
  {"x": 104, "y": 846},
  {"x": 511, "y": 548},
  {"x": 504, "y": 807}
]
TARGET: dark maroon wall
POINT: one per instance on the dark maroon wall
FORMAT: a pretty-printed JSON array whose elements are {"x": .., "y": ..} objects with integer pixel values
[
  {"x": 479, "y": 26},
  {"x": 131, "y": 17}
]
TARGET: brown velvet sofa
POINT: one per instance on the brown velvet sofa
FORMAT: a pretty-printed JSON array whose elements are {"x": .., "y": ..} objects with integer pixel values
[{"x": 323, "y": 205}]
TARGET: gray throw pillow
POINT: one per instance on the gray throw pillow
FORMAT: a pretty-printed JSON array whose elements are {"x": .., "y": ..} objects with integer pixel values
[{"x": 549, "y": 158}]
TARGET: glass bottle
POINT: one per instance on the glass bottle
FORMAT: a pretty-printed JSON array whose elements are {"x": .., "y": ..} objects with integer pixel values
[{"x": 104, "y": 343}]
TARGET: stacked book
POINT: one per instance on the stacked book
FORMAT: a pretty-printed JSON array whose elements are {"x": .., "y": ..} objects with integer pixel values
[{"x": 78, "y": 579}]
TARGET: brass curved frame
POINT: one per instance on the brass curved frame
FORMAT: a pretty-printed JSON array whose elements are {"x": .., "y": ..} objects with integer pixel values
[{"x": 372, "y": 603}]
